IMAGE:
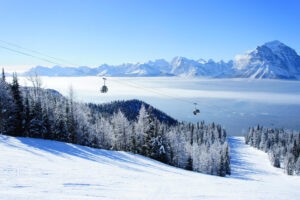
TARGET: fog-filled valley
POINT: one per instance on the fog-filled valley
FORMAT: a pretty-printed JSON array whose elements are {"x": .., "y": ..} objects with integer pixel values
[{"x": 236, "y": 104}]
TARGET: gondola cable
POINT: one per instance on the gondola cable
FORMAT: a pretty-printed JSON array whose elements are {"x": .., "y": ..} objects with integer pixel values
[
  {"x": 195, "y": 112},
  {"x": 39, "y": 53},
  {"x": 104, "y": 88}
]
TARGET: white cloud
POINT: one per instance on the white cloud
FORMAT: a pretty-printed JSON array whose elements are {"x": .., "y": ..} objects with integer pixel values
[
  {"x": 241, "y": 61},
  {"x": 16, "y": 68}
]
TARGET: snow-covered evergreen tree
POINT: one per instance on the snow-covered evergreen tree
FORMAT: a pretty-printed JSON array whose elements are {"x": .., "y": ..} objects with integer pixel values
[
  {"x": 18, "y": 110},
  {"x": 282, "y": 146},
  {"x": 7, "y": 108}
]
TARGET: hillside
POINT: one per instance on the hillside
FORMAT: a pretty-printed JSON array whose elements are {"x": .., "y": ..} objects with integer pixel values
[
  {"x": 42, "y": 169},
  {"x": 272, "y": 60},
  {"x": 131, "y": 110}
]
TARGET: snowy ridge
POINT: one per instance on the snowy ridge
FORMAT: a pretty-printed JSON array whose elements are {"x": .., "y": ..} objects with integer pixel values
[
  {"x": 42, "y": 169},
  {"x": 272, "y": 60}
]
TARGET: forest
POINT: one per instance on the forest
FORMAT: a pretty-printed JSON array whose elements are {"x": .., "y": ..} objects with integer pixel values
[
  {"x": 283, "y": 147},
  {"x": 139, "y": 128}
]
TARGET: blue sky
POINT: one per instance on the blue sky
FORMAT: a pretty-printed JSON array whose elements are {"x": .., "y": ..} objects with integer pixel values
[{"x": 116, "y": 31}]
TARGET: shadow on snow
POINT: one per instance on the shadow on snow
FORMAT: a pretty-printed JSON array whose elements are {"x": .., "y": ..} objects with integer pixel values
[
  {"x": 241, "y": 168},
  {"x": 125, "y": 160}
]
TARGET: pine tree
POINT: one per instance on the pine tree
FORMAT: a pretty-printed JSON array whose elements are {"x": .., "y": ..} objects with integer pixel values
[
  {"x": 189, "y": 165},
  {"x": 3, "y": 75},
  {"x": 222, "y": 167},
  {"x": 18, "y": 112},
  {"x": 275, "y": 159},
  {"x": 289, "y": 164},
  {"x": 141, "y": 127},
  {"x": 295, "y": 149},
  {"x": 36, "y": 126},
  {"x": 70, "y": 114},
  {"x": 121, "y": 131},
  {"x": 297, "y": 166},
  {"x": 6, "y": 107},
  {"x": 27, "y": 114},
  {"x": 227, "y": 161},
  {"x": 47, "y": 126},
  {"x": 150, "y": 134},
  {"x": 133, "y": 146}
]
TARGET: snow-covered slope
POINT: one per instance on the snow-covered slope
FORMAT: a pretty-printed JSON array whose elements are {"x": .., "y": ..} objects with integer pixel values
[
  {"x": 41, "y": 169},
  {"x": 185, "y": 67},
  {"x": 271, "y": 60}
]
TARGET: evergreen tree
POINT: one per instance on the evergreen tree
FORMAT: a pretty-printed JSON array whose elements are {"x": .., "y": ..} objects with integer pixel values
[
  {"x": 6, "y": 110},
  {"x": 121, "y": 129},
  {"x": 282, "y": 146},
  {"x": 189, "y": 165},
  {"x": 289, "y": 164},
  {"x": 3, "y": 75},
  {"x": 141, "y": 128},
  {"x": 18, "y": 111},
  {"x": 222, "y": 167},
  {"x": 297, "y": 166},
  {"x": 27, "y": 114},
  {"x": 227, "y": 161},
  {"x": 47, "y": 126},
  {"x": 150, "y": 134},
  {"x": 70, "y": 114}
]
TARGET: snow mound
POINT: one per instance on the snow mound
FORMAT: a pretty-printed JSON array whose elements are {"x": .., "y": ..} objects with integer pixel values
[{"x": 42, "y": 169}]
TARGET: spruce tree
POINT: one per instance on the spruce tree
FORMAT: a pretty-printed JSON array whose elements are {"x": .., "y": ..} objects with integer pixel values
[
  {"x": 227, "y": 161},
  {"x": 3, "y": 75},
  {"x": 150, "y": 134},
  {"x": 189, "y": 165},
  {"x": 222, "y": 167},
  {"x": 18, "y": 111},
  {"x": 27, "y": 114},
  {"x": 6, "y": 108}
]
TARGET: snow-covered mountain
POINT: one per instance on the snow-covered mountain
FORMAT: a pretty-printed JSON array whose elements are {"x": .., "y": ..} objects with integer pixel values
[
  {"x": 152, "y": 68},
  {"x": 62, "y": 71},
  {"x": 271, "y": 60}
]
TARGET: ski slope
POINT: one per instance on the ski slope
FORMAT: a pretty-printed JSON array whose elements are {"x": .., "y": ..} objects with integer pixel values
[{"x": 41, "y": 169}]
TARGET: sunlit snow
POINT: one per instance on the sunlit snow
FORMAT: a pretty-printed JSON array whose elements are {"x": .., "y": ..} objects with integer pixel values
[{"x": 41, "y": 169}]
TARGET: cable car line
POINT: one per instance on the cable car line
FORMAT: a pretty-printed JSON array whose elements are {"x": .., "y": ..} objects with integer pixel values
[
  {"x": 129, "y": 83},
  {"x": 39, "y": 53},
  {"x": 104, "y": 88},
  {"x": 195, "y": 112},
  {"x": 27, "y": 54}
]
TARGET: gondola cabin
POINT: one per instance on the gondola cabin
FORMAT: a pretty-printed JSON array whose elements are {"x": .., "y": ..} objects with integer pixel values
[{"x": 104, "y": 88}]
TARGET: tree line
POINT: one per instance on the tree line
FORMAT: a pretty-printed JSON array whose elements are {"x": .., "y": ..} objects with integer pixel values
[
  {"x": 40, "y": 113},
  {"x": 283, "y": 147}
]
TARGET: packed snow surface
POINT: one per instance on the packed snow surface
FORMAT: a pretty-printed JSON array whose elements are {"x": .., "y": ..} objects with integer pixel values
[{"x": 41, "y": 169}]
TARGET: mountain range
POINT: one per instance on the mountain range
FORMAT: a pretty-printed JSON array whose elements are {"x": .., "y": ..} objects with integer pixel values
[{"x": 272, "y": 60}]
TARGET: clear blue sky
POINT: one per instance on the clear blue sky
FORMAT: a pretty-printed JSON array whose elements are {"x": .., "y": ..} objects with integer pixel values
[{"x": 91, "y": 32}]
